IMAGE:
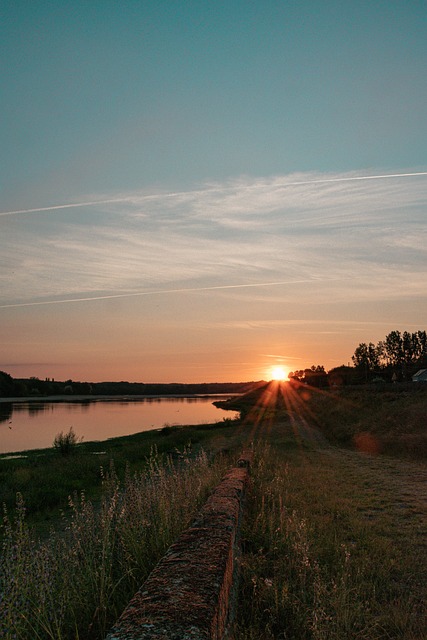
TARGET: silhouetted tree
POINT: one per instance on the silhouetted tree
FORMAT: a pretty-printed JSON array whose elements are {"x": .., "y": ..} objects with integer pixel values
[
  {"x": 366, "y": 358},
  {"x": 315, "y": 376},
  {"x": 393, "y": 348},
  {"x": 398, "y": 354},
  {"x": 6, "y": 384},
  {"x": 10, "y": 387}
]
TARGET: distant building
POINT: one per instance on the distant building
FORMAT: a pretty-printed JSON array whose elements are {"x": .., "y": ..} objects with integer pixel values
[{"x": 420, "y": 376}]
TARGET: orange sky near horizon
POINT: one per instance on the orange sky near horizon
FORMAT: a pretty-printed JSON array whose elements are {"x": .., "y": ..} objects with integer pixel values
[{"x": 123, "y": 340}]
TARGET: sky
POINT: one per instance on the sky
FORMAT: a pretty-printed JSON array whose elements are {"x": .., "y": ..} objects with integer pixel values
[{"x": 200, "y": 191}]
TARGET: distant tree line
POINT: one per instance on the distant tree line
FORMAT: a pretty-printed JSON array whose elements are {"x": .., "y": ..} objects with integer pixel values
[{"x": 34, "y": 387}]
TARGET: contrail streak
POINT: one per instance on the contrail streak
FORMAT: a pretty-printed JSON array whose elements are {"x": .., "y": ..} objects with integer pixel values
[
  {"x": 63, "y": 206},
  {"x": 92, "y": 203},
  {"x": 351, "y": 178},
  {"x": 159, "y": 292}
]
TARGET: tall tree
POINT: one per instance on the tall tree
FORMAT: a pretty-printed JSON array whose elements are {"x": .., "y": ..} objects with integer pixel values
[
  {"x": 393, "y": 348},
  {"x": 367, "y": 357},
  {"x": 419, "y": 339}
]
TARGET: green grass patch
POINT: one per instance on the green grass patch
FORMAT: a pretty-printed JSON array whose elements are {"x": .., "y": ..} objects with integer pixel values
[{"x": 46, "y": 478}]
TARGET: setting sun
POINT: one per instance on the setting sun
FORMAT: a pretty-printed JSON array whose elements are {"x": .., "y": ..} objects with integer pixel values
[{"x": 278, "y": 373}]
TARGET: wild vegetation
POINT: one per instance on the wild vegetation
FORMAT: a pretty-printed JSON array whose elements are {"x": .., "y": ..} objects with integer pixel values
[
  {"x": 45, "y": 478},
  {"x": 387, "y": 419},
  {"x": 76, "y": 582},
  {"x": 66, "y": 443},
  {"x": 333, "y": 539},
  {"x": 328, "y": 555}
]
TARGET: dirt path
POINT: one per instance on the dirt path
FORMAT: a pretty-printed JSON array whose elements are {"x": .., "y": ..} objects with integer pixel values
[{"x": 403, "y": 482}]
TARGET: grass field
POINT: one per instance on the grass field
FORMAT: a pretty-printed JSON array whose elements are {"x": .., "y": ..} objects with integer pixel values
[
  {"x": 334, "y": 539},
  {"x": 334, "y": 544}
]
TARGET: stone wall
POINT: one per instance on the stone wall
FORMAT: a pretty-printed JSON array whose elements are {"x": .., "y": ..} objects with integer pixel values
[{"x": 189, "y": 594}]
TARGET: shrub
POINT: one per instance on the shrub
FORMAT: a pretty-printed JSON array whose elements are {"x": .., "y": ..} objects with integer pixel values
[{"x": 65, "y": 443}]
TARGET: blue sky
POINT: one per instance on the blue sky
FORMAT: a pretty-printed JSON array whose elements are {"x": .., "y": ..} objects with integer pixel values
[{"x": 223, "y": 159}]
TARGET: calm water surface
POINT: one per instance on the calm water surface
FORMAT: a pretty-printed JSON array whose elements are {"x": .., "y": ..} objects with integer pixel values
[{"x": 34, "y": 425}]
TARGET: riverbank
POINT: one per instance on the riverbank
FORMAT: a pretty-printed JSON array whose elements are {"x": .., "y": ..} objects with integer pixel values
[{"x": 46, "y": 479}]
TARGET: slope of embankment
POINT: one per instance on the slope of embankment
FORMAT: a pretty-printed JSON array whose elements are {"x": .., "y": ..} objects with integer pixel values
[{"x": 389, "y": 419}]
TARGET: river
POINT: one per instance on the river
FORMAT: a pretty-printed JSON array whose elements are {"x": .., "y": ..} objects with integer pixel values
[{"x": 33, "y": 425}]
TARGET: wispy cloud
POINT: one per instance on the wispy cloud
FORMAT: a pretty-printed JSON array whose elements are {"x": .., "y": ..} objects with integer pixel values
[
  {"x": 313, "y": 229},
  {"x": 273, "y": 186}
]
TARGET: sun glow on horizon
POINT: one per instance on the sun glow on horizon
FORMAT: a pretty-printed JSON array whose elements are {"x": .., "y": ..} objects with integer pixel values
[{"x": 278, "y": 373}]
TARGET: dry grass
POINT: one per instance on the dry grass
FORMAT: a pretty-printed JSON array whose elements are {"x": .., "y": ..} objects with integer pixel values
[
  {"x": 333, "y": 544},
  {"x": 76, "y": 583}
]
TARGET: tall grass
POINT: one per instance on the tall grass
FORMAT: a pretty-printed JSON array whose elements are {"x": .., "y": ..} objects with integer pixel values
[
  {"x": 311, "y": 568},
  {"x": 76, "y": 583}
]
